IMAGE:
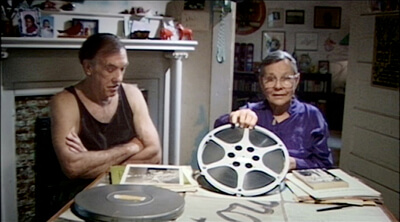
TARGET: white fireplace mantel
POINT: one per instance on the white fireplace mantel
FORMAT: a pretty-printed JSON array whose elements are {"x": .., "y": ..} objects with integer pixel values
[
  {"x": 71, "y": 43},
  {"x": 176, "y": 51}
]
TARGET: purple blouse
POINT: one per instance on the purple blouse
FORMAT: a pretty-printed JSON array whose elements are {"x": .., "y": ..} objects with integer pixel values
[{"x": 305, "y": 133}]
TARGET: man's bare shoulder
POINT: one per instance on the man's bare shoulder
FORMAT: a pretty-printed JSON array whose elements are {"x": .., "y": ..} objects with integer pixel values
[
  {"x": 130, "y": 88},
  {"x": 134, "y": 96},
  {"x": 63, "y": 100}
]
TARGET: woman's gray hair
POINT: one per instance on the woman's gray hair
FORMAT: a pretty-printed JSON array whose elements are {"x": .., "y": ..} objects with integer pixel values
[{"x": 276, "y": 56}]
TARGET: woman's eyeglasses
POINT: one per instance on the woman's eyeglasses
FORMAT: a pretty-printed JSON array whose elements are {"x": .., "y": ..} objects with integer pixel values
[{"x": 285, "y": 81}]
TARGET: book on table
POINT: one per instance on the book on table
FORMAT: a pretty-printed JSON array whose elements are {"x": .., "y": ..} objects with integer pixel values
[
  {"x": 320, "y": 178},
  {"x": 356, "y": 189}
]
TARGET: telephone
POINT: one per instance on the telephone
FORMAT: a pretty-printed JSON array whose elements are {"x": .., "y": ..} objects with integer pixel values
[{"x": 223, "y": 7}]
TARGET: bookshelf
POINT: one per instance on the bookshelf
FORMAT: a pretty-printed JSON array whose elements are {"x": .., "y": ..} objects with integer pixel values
[
  {"x": 315, "y": 88},
  {"x": 245, "y": 89}
]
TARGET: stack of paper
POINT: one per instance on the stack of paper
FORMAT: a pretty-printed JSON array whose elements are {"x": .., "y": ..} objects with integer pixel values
[
  {"x": 319, "y": 179},
  {"x": 356, "y": 193}
]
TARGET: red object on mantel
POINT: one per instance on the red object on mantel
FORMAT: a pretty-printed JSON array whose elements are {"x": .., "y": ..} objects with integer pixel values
[
  {"x": 166, "y": 34},
  {"x": 73, "y": 30},
  {"x": 184, "y": 33}
]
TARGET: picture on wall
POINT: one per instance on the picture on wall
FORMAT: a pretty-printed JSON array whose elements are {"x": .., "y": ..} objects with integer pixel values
[
  {"x": 194, "y": 4},
  {"x": 29, "y": 22},
  {"x": 323, "y": 66},
  {"x": 272, "y": 41},
  {"x": 294, "y": 16},
  {"x": 275, "y": 17},
  {"x": 327, "y": 17},
  {"x": 385, "y": 65},
  {"x": 306, "y": 41},
  {"x": 89, "y": 26},
  {"x": 46, "y": 26}
]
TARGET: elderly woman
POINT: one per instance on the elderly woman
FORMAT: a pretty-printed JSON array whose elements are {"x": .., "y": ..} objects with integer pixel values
[{"x": 300, "y": 126}]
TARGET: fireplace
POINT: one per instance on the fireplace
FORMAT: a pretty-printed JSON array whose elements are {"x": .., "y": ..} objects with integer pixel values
[
  {"x": 29, "y": 106},
  {"x": 37, "y": 170},
  {"x": 27, "y": 110},
  {"x": 37, "y": 65}
]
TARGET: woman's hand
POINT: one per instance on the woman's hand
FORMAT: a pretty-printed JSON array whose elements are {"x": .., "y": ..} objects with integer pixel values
[
  {"x": 292, "y": 163},
  {"x": 246, "y": 118}
]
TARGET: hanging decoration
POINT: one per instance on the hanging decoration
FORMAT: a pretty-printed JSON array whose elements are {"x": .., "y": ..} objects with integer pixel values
[{"x": 250, "y": 16}]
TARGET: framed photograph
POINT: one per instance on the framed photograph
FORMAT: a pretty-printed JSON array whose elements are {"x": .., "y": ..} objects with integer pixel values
[
  {"x": 306, "y": 41},
  {"x": 152, "y": 174},
  {"x": 29, "y": 22},
  {"x": 327, "y": 17},
  {"x": 271, "y": 41},
  {"x": 275, "y": 17},
  {"x": 294, "y": 16},
  {"x": 323, "y": 66},
  {"x": 194, "y": 5},
  {"x": 46, "y": 26},
  {"x": 89, "y": 26}
]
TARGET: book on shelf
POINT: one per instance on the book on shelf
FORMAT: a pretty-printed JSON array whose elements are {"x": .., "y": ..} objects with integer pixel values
[
  {"x": 319, "y": 178},
  {"x": 175, "y": 178}
]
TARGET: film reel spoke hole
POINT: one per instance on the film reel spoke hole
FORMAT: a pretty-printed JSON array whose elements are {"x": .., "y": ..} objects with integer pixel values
[
  {"x": 231, "y": 155},
  {"x": 238, "y": 148},
  {"x": 250, "y": 149}
]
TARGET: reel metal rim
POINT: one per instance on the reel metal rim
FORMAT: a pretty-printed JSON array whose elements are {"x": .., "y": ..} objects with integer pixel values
[{"x": 242, "y": 171}]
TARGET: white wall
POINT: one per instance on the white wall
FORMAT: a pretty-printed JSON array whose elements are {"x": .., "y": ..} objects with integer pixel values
[
  {"x": 200, "y": 90},
  {"x": 371, "y": 117}
]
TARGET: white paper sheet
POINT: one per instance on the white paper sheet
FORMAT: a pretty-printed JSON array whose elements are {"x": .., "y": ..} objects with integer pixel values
[
  {"x": 68, "y": 215},
  {"x": 308, "y": 212},
  {"x": 209, "y": 209},
  {"x": 276, "y": 196}
]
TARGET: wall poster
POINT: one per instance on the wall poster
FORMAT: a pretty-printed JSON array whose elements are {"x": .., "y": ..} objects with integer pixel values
[{"x": 385, "y": 67}]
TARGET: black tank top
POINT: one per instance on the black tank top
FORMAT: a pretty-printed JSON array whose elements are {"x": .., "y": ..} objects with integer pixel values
[{"x": 100, "y": 136}]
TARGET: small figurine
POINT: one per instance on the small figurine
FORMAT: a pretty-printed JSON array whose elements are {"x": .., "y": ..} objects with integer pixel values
[
  {"x": 47, "y": 5},
  {"x": 68, "y": 7},
  {"x": 184, "y": 32},
  {"x": 166, "y": 34}
]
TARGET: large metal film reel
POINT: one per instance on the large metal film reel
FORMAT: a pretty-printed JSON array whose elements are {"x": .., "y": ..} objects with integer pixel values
[{"x": 245, "y": 162}]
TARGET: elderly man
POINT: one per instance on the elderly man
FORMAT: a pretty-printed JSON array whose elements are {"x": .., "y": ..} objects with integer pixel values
[{"x": 101, "y": 121}]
